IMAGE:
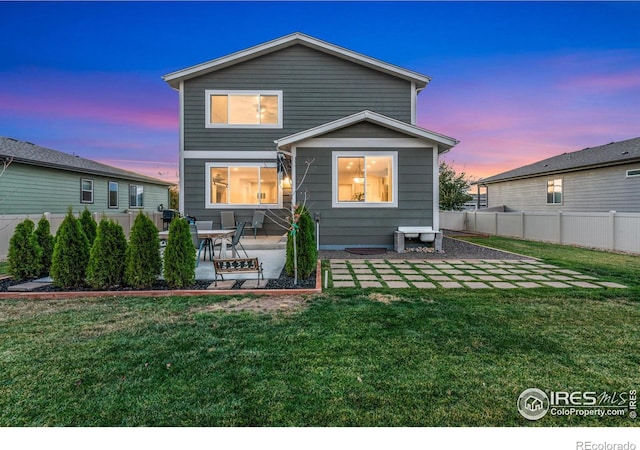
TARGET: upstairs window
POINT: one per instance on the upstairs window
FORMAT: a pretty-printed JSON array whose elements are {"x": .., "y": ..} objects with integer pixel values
[
  {"x": 554, "y": 191},
  {"x": 633, "y": 173},
  {"x": 113, "y": 194},
  {"x": 243, "y": 109}
]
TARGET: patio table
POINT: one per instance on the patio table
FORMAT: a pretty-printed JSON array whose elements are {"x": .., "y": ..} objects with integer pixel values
[{"x": 210, "y": 235}]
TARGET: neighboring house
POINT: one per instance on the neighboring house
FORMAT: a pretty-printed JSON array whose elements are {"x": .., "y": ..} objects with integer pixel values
[
  {"x": 597, "y": 179},
  {"x": 39, "y": 180},
  {"x": 351, "y": 117}
]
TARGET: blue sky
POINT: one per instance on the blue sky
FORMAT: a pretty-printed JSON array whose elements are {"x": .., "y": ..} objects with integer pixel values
[{"x": 513, "y": 81}]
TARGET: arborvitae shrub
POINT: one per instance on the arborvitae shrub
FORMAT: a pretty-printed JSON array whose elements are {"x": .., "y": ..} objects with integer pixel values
[
  {"x": 46, "y": 243},
  {"x": 143, "y": 263},
  {"x": 24, "y": 252},
  {"x": 107, "y": 258},
  {"x": 70, "y": 254},
  {"x": 179, "y": 255},
  {"x": 306, "y": 246},
  {"x": 89, "y": 226}
]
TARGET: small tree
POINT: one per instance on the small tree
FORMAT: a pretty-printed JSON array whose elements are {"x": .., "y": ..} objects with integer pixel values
[
  {"x": 179, "y": 255},
  {"x": 89, "y": 226},
  {"x": 143, "y": 263},
  {"x": 302, "y": 255},
  {"x": 453, "y": 188},
  {"x": 70, "y": 254},
  {"x": 24, "y": 252},
  {"x": 46, "y": 243},
  {"x": 106, "y": 261}
]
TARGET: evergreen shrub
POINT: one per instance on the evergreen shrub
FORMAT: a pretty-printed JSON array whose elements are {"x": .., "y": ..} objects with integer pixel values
[
  {"x": 179, "y": 255},
  {"x": 46, "y": 242},
  {"x": 107, "y": 257},
  {"x": 305, "y": 243},
  {"x": 143, "y": 263},
  {"x": 89, "y": 226},
  {"x": 70, "y": 254},
  {"x": 24, "y": 252}
]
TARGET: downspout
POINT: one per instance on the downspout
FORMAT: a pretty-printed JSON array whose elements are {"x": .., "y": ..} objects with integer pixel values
[
  {"x": 181, "y": 150},
  {"x": 436, "y": 189}
]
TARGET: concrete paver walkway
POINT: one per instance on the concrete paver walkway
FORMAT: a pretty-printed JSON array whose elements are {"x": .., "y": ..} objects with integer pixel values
[{"x": 463, "y": 273}]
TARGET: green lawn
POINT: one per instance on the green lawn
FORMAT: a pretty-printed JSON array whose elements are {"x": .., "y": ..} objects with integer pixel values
[{"x": 349, "y": 357}]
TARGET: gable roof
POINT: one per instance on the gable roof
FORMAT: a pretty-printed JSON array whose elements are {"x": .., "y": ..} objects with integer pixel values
[
  {"x": 445, "y": 142},
  {"x": 28, "y": 153},
  {"x": 611, "y": 154},
  {"x": 175, "y": 78}
]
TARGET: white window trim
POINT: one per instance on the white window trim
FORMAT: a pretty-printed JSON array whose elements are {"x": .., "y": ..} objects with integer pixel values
[
  {"x": 561, "y": 192},
  {"x": 109, "y": 205},
  {"x": 83, "y": 190},
  {"x": 207, "y": 103},
  {"x": 207, "y": 177},
  {"x": 358, "y": 153}
]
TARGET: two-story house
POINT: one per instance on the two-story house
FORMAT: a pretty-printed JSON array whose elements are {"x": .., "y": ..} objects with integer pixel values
[{"x": 345, "y": 122}]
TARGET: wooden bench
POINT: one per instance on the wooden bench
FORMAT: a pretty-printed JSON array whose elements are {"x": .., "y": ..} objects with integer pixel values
[{"x": 239, "y": 265}]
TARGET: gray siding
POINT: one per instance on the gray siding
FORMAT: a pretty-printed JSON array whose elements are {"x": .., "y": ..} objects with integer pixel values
[
  {"x": 26, "y": 189},
  {"x": 603, "y": 189},
  {"x": 317, "y": 88},
  {"x": 366, "y": 130},
  {"x": 368, "y": 227}
]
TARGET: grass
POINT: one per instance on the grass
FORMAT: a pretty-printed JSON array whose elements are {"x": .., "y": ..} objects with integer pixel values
[{"x": 351, "y": 357}]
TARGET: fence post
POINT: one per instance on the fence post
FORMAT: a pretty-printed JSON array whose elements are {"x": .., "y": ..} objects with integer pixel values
[
  {"x": 612, "y": 230},
  {"x": 559, "y": 227},
  {"x": 521, "y": 224},
  {"x": 495, "y": 223}
]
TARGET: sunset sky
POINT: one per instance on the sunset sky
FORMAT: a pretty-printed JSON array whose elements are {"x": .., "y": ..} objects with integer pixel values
[{"x": 514, "y": 82}]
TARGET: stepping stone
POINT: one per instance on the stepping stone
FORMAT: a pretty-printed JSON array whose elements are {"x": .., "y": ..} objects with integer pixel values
[
  {"x": 386, "y": 277},
  {"x": 342, "y": 276},
  {"x": 611, "y": 285},
  {"x": 476, "y": 285},
  {"x": 556, "y": 284},
  {"x": 477, "y": 272},
  {"x": 397, "y": 284},
  {"x": 585, "y": 277},
  {"x": 527, "y": 284},
  {"x": 560, "y": 277},
  {"x": 432, "y": 272},
  {"x": 340, "y": 271},
  {"x": 536, "y": 277},
  {"x": 440, "y": 278},
  {"x": 465, "y": 278},
  {"x": 253, "y": 284},
  {"x": 339, "y": 284},
  {"x": 423, "y": 285},
  {"x": 453, "y": 271},
  {"x": 513, "y": 277},
  {"x": 584, "y": 284},
  {"x": 414, "y": 277},
  {"x": 27, "y": 287},
  {"x": 503, "y": 285},
  {"x": 450, "y": 284},
  {"x": 370, "y": 284},
  {"x": 357, "y": 271},
  {"x": 488, "y": 278},
  {"x": 384, "y": 271},
  {"x": 225, "y": 284},
  {"x": 497, "y": 271},
  {"x": 366, "y": 277}
]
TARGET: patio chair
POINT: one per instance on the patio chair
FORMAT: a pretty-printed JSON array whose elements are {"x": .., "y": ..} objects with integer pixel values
[
  {"x": 235, "y": 242},
  {"x": 204, "y": 224},
  {"x": 198, "y": 243},
  {"x": 256, "y": 222},
  {"x": 228, "y": 219}
]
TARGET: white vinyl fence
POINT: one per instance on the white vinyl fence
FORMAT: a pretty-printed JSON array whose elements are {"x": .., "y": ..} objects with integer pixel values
[
  {"x": 609, "y": 231},
  {"x": 8, "y": 224}
]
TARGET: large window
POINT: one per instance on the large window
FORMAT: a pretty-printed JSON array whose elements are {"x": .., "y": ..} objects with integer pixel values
[
  {"x": 242, "y": 185},
  {"x": 554, "y": 191},
  {"x": 365, "y": 179},
  {"x": 248, "y": 109},
  {"x": 86, "y": 191},
  {"x": 136, "y": 196},
  {"x": 113, "y": 194}
]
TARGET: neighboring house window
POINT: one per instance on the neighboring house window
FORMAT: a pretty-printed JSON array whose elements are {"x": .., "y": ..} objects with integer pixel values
[
  {"x": 86, "y": 190},
  {"x": 242, "y": 185},
  {"x": 243, "y": 109},
  {"x": 554, "y": 191},
  {"x": 113, "y": 194},
  {"x": 633, "y": 173},
  {"x": 362, "y": 179},
  {"x": 136, "y": 196}
]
